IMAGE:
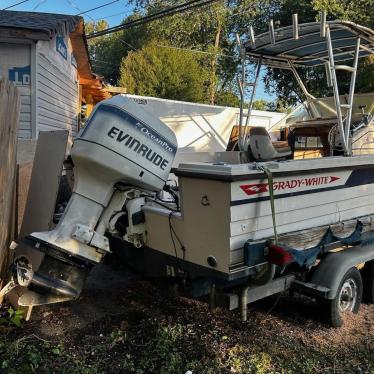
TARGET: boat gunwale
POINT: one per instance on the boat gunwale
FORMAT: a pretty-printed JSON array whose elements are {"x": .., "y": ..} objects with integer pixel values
[{"x": 258, "y": 176}]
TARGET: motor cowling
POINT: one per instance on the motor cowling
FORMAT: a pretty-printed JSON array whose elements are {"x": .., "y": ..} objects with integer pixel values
[{"x": 121, "y": 145}]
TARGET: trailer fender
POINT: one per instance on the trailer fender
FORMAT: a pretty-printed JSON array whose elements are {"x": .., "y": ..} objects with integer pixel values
[{"x": 333, "y": 266}]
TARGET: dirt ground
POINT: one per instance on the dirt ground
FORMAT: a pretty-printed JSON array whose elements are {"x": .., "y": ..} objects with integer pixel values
[{"x": 123, "y": 324}]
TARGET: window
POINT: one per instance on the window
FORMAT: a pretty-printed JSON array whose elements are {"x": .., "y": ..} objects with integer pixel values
[{"x": 308, "y": 142}]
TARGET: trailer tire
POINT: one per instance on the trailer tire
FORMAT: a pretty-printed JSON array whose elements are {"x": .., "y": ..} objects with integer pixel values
[
  {"x": 347, "y": 299},
  {"x": 368, "y": 280}
]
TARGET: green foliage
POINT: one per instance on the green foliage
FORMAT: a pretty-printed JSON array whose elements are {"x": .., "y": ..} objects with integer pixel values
[
  {"x": 212, "y": 30},
  {"x": 227, "y": 98},
  {"x": 283, "y": 83},
  {"x": 12, "y": 317},
  {"x": 209, "y": 30},
  {"x": 31, "y": 354},
  {"x": 165, "y": 355},
  {"x": 240, "y": 360},
  {"x": 163, "y": 72}
]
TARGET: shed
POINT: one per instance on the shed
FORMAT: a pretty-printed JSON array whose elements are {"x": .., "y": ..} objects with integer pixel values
[{"x": 46, "y": 56}]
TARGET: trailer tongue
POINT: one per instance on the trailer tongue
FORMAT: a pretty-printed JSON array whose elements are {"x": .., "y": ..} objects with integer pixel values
[{"x": 259, "y": 227}]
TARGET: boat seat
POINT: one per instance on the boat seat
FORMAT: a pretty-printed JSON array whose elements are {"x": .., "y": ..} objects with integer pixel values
[{"x": 262, "y": 149}]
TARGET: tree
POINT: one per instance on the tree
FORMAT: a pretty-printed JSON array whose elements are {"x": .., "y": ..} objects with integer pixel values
[
  {"x": 164, "y": 72},
  {"x": 227, "y": 98},
  {"x": 98, "y": 49},
  {"x": 283, "y": 83},
  {"x": 107, "y": 52},
  {"x": 210, "y": 29}
]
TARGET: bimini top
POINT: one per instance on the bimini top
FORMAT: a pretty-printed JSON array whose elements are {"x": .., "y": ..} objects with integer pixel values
[{"x": 309, "y": 48}]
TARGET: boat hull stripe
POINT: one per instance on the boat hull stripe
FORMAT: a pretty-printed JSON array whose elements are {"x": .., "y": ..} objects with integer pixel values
[{"x": 358, "y": 177}]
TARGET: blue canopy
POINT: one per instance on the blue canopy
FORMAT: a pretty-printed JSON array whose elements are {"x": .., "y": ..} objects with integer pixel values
[{"x": 310, "y": 49}]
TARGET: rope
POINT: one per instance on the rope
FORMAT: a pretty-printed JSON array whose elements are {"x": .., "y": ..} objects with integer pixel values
[{"x": 271, "y": 194}]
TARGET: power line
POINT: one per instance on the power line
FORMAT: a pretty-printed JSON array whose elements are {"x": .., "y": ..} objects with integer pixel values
[
  {"x": 155, "y": 16},
  {"x": 40, "y": 2},
  {"x": 123, "y": 13},
  {"x": 98, "y": 7},
  {"x": 94, "y": 60},
  {"x": 195, "y": 51},
  {"x": 75, "y": 6},
  {"x": 128, "y": 44},
  {"x": 140, "y": 21},
  {"x": 112, "y": 15},
  {"x": 104, "y": 63},
  {"x": 12, "y": 6}
]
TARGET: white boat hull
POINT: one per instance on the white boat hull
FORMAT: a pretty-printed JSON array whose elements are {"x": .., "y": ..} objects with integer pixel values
[
  {"x": 224, "y": 206},
  {"x": 297, "y": 207}
]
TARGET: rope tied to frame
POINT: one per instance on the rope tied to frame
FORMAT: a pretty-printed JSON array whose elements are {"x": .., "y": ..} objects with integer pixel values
[{"x": 269, "y": 175}]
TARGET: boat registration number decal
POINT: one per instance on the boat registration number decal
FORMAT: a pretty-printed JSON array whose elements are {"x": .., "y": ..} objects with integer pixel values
[{"x": 253, "y": 189}]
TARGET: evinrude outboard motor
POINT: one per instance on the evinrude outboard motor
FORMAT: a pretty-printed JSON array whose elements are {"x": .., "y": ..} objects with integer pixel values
[{"x": 122, "y": 155}]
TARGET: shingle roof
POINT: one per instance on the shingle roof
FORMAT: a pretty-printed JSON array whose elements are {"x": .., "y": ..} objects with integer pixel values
[{"x": 48, "y": 23}]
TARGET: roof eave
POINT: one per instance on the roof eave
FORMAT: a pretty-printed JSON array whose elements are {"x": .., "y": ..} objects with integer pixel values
[{"x": 18, "y": 33}]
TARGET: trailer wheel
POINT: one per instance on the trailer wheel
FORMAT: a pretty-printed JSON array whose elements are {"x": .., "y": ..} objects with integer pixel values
[
  {"x": 368, "y": 279},
  {"x": 347, "y": 299}
]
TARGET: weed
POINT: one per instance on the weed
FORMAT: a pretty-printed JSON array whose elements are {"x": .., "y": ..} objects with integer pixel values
[{"x": 12, "y": 317}]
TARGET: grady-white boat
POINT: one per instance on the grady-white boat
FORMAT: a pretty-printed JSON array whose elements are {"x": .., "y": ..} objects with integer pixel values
[
  {"x": 245, "y": 213},
  {"x": 323, "y": 175}
]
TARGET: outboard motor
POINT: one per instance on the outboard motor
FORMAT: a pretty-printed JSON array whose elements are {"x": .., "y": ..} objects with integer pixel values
[{"x": 122, "y": 155}]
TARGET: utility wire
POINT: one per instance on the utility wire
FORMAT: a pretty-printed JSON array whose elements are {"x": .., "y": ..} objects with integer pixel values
[
  {"x": 195, "y": 51},
  {"x": 169, "y": 47},
  {"x": 40, "y": 2},
  {"x": 155, "y": 16},
  {"x": 12, "y": 6},
  {"x": 98, "y": 7},
  {"x": 110, "y": 16},
  {"x": 94, "y": 60},
  {"x": 128, "y": 44},
  {"x": 75, "y": 6}
]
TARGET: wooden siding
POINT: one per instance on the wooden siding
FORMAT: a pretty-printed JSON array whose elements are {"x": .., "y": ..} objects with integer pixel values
[
  {"x": 24, "y": 129},
  {"x": 57, "y": 98}
]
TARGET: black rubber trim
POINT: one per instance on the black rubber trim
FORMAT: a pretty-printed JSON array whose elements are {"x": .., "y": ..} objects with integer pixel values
[
  {"x": 257, "y": 176},
  {"x": 119, "y": 154}
]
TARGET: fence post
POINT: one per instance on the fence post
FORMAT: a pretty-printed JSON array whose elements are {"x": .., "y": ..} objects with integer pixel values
[{"x": 9, "y": 118}]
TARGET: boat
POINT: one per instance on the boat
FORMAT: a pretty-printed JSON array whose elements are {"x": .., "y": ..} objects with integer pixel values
[
  {"x": 240, "y": 216},
  {"x": 320, "y": 172}
]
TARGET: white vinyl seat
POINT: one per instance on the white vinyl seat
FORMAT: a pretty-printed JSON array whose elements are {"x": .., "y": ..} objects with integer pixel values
[{"x": 262, "y": 149}]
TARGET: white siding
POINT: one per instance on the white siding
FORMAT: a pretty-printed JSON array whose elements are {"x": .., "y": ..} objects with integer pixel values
[
  {"x": 12, "y": 58},
  {"x": 57, "y": 90}
]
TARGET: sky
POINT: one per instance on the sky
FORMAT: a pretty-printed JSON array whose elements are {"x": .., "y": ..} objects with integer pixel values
[{"x": 113, "y": 13}]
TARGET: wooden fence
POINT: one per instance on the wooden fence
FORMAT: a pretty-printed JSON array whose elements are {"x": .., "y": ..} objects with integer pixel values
[{"x": 9, "y": 117}]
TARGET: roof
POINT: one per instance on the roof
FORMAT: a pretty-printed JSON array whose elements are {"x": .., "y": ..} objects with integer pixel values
[
  {"x": 310, "y": 49},
  {"x": 45, "y": 25}
]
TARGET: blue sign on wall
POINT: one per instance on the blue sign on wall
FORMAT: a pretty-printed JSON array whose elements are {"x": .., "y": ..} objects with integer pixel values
[
  {"x": 20, "y": 76},
  {"x": 61, "y": 47},
  {"x": 73, "y": 61}
]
